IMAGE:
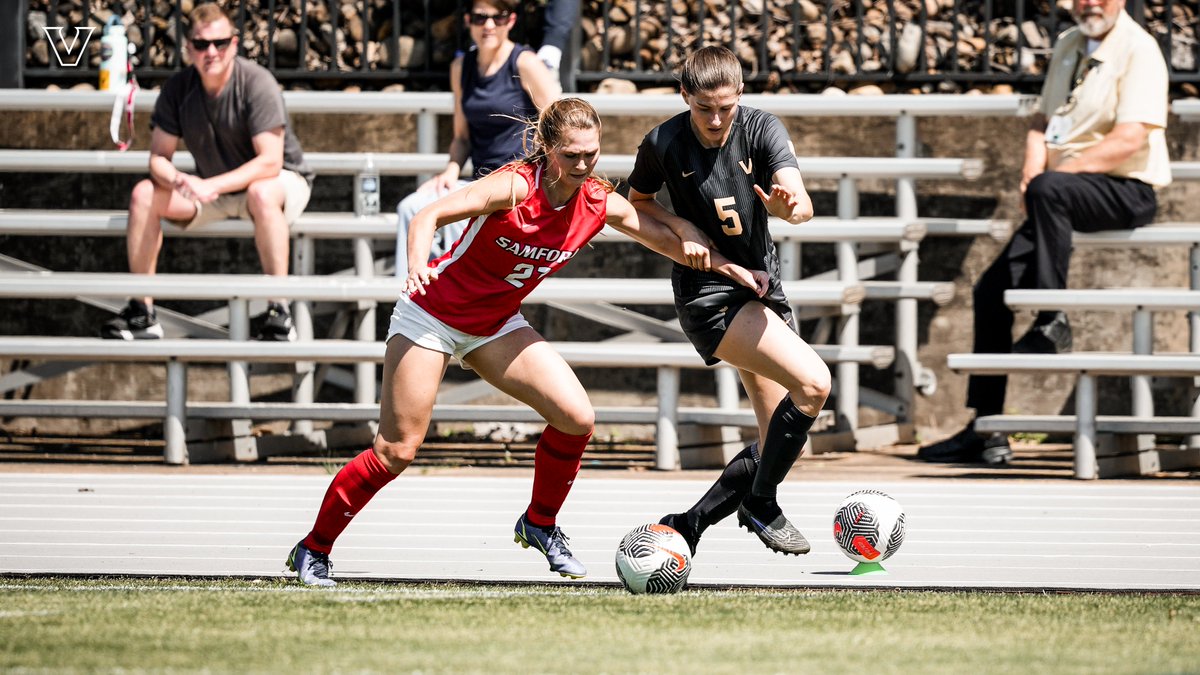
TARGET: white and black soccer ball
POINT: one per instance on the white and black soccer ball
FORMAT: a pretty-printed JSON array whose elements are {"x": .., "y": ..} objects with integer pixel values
[
  {"x": 653, "y": 559},
  {"x": 869, "y": 526}
]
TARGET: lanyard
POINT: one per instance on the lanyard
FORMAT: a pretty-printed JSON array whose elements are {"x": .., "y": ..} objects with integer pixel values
[{"x": 123, "y": 107}]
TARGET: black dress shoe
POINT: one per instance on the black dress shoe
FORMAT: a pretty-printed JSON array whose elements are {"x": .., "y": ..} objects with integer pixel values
[
  {"x": 965, "y": 446},
  {"x": 969, "y": 447},
  {"x": 1052, "y": 336}
]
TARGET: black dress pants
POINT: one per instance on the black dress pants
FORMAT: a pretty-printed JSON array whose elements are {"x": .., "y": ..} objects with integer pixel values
[{"x": 1040, "y": 253}]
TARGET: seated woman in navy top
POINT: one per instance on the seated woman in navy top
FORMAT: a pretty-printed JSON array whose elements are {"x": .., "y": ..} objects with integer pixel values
[{"x": 498, "y": 85}]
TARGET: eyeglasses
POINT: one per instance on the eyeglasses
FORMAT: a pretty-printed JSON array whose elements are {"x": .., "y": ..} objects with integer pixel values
[
  {"x": 481, "y": 18},
  {"x": 202, "y": 45}
]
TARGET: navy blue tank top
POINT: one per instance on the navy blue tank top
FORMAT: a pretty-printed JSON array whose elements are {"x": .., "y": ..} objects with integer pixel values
[{"x": 490, "y": 104}]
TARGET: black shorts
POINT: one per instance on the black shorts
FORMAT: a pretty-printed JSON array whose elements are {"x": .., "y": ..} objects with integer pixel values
[{"x": 706, "y": 303}]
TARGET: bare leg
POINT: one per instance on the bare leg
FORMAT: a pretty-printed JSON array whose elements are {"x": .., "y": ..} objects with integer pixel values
[{"x": 148, "y": 205}]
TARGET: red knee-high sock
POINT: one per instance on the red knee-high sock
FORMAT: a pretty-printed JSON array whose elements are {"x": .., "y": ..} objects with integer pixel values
[
  {"x": 555, "y": 465},
  {"x": 349, "y": 492}
]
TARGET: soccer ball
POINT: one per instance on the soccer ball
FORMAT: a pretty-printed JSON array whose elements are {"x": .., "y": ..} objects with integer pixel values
[
  {"x": 869, "y": 526},
  {"x": 653, "y": 559}
]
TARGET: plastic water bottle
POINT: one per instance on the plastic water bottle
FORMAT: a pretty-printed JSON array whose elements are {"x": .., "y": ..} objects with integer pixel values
[
  {"x": 114, "y": 55},
  {"x": 366, "y": 190}
]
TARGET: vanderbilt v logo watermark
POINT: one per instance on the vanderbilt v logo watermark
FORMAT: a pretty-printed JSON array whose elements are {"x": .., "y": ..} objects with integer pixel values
[{"x": 70, "y": 52}]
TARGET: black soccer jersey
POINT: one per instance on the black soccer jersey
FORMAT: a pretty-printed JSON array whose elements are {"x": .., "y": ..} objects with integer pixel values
[{"x": 714, "y": 187}]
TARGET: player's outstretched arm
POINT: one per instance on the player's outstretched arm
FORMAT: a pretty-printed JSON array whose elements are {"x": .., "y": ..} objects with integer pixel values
[
  {"x": 787, "y": 199},
  {"x": 659, "y": 238},
  {"x": 696, "y": 245},
  {"x": 500, "y": 190}
]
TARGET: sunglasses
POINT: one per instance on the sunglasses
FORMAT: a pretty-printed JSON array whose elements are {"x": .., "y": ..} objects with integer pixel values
[
  {"x": 202, "y": 45},
  {"x": 481, "y": 18}
]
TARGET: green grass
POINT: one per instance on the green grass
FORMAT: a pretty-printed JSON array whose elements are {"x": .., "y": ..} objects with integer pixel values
[{"x": 273, "y": 626}]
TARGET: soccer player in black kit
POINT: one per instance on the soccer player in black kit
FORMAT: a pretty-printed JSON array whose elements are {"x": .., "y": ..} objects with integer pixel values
[{"x": 728, "y": 168}]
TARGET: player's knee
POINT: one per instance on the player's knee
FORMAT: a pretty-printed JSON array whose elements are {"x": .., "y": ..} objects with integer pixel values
[
  {"x": 816, "y": 386},
  {"x": 396, "y": 455},
  {"x": 578, "y": 422}
]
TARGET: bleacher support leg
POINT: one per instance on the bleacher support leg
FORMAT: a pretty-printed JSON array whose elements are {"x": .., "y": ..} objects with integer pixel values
[
  {"x": 667, "y": 436},
  {"x": 907, "y": 367},
  {"x": 364, "y": 373},
  {"x": 304, "y": 384},
  {"x": 848, "y": 335},
  {"x": 1142, "y": 398},
  {"x": 175, "y": 424},
  {"x": 1193, "y": 441},
  {"x": 727, "y": 399},
  {"x": 1085, "y": 431},
  {"x": 239, "y": 372},
  {"x": 426, "y": 137}
]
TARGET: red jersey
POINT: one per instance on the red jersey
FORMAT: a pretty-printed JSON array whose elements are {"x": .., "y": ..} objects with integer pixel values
[{"x": 500, "y": 258}]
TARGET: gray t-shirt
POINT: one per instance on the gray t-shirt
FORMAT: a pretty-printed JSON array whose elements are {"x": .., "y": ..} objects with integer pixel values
[{"x": 218, "y": 131}]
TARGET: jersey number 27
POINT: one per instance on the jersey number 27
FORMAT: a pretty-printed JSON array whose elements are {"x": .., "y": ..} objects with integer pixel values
[{"x": 525, "y": 271}]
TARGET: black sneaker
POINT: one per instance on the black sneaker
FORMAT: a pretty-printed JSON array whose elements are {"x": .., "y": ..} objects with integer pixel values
[
  {"x": 996, "y": 450},
  {"x": 1049, "y": 336},
  {"x": 277, "y": 324},
  {"x": 969, "y": 447},
  {"x": 679, "y": 523},
  {"x": 135, "y": 322}
]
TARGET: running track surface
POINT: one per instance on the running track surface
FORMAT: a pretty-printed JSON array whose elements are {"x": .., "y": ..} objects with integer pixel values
[{"x": 961, "y": 533}]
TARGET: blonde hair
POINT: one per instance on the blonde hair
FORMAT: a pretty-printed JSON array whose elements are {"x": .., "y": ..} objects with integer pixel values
[
  {"x": 205, "y": 14},
  {"x": 709, "y": 69},
  {"x": 552, "y": 125}
]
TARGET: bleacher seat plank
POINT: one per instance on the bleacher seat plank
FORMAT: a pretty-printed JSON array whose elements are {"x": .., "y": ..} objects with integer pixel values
[
  {"x": 1114, "y": 299},
  {"x": 343, "y": 288},
  {"x": 416, "y": 163},
  {"x": 1093, "y": 363},
  {"x": 1062, "y": 424}
]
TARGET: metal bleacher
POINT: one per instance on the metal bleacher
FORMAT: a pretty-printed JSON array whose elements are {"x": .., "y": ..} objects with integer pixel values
[{"x": 847, "y": 231}]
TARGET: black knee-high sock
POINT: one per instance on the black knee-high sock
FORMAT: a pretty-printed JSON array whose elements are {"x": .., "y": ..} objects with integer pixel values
[
  {"x": 786, "y": 435},
  {"x": 726, "y": 493}
]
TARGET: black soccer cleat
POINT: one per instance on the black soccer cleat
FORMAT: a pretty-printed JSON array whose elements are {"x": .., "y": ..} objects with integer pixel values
[
  {"x": 679, "y": 523},
  {"x": 778, "y": 534}
]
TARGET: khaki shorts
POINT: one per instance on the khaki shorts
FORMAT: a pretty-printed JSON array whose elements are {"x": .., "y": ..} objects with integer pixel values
[{"x": 233, "y": 205}]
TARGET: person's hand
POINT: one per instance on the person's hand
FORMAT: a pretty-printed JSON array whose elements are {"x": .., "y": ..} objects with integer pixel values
[
  {"x": 696, "y": 247},
  {"x": 756, "y": 280},
  {"x": 440, "y": 184},
  {"x": 195, "y": 188},
  {"x": 781, "y": 202},
  {"x": 418, "y": 279},
  {"x": 1027, "y": 176}
]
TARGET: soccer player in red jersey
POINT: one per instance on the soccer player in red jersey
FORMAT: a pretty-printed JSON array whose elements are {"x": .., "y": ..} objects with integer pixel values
[{"x": 527, "y": 220}]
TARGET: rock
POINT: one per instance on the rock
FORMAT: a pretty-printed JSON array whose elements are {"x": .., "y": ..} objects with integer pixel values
[
  {"x": 842, "y": 62},
  {"x": 866, "y": 90},
  {"x": 832, "y": 91},
  {"x": 908, "y": 48},
  {"x": 615, "y": 85},
  {"x": 809, "y": 11},
  {"x": 1001, "y": 89}
]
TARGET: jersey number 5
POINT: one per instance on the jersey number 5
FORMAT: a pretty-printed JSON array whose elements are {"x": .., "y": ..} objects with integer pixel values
[
  {"x": 523, "y": 272},
  {"x": 725, "y": 212}
]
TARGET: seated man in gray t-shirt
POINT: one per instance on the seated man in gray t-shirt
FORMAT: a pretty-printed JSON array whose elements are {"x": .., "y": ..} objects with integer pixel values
[{"x": 231, "y": 115}]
